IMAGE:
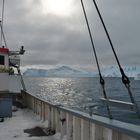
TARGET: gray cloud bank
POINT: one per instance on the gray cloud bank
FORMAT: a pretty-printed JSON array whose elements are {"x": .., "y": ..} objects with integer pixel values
[{"x": 52, "y": 40}]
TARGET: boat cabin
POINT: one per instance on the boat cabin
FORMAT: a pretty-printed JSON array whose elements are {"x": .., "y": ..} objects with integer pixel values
[{"x": 9, "y": 82}]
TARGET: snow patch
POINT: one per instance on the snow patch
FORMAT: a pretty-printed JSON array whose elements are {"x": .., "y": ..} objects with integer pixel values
[{"x": 13, "y": 128}]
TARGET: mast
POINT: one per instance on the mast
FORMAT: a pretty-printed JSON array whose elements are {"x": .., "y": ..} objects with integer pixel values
[{"x": 2, "y": 21}]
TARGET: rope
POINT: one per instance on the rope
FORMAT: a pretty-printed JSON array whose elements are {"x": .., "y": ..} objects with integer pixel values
[
  {"x": 102, "y": 82},
  {"x": 3, "y": 34},
  {"x": 2, "y": 17},
  {"x": 125, "y": 79},
  {"x": 91, "y": 38}
]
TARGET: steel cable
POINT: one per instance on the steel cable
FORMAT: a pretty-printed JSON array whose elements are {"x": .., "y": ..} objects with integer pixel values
[{"x": 125, "y": 79}]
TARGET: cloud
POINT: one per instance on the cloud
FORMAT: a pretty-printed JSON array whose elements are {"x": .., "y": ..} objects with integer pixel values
[{"x": 52, "y": 40}]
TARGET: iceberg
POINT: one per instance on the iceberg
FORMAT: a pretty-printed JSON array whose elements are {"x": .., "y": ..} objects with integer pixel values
[{"x": 63, "y": 71}]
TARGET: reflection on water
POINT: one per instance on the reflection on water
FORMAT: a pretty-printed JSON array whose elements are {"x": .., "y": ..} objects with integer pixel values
[
  {"x": 72, "y": 92},
  {"x": 79, "y": 93}
]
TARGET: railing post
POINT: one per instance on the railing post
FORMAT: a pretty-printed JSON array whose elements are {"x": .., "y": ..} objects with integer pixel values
[
  {"x": 92, "y": 131},
  {"x": 116, "y": 135},
  {"x": 49, "y": 115},
  {"x": 57, "y": 120},
  {"x": 44, "y": 111},
  {"x": 69, "y": 131},
  {"x": 98, "y": 132},
  {"x": 41, "y": 110},
  {"x": 34, "y": 105},
  {"x": 76, "y": 128},
  {"x": 63, "y": 123},
  {"x": 107, "y": 134},
  {"x": 53, "y": 125},
  {"x": 85, "y": 130},
  {"x": 103, "y": 133}
]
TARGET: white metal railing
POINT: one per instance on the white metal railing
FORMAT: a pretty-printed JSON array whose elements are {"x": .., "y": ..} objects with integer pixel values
[{"x": 76, "y": 125}]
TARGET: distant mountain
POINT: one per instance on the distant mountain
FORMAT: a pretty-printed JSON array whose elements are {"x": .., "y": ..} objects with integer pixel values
[{"x": 63, "y": 71}]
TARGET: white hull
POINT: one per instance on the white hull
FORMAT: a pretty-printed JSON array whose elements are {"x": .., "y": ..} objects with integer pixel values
[{"x": 10, "y": 83}]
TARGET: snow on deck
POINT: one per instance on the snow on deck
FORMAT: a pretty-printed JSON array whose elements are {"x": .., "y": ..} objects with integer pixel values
[{"x": 13, "y": 128}]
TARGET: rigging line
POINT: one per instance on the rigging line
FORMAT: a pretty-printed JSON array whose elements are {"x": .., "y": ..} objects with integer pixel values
[
  {"x": 2, "y": 20},
  {"x": 125, "y": 79},
  {"x": 3, "y": 34},
  {"x": 102, "y": 82},
  {"x": 91, "y": 38},
  {"x": 108, "y": 36}
]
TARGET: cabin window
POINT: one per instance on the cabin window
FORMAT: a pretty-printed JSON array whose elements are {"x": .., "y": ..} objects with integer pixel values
[{"x": 1, "y": 60}]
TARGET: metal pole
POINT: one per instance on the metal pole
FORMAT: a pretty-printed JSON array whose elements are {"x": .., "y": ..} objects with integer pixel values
[{"x": 2, "y": 20}]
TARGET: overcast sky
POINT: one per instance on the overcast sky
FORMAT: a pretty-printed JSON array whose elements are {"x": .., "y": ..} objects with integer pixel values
[{"x": 54, "y": 32}]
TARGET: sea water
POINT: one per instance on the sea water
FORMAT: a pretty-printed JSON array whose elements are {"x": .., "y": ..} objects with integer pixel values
[{"x": 81, "y": 93}]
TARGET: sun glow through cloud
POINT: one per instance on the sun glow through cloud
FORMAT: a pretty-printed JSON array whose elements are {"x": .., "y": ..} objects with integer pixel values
[{"x": 57, "y": 7}]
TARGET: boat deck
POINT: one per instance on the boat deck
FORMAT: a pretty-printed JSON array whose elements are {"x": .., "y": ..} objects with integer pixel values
[{"x": 13, "y": 128}]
